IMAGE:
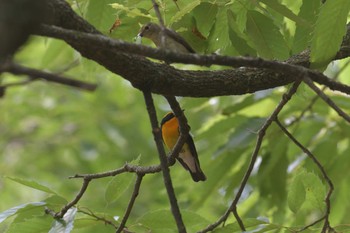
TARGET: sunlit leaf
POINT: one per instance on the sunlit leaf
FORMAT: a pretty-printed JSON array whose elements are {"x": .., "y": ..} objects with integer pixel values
[
  {"x": 117, "y": 186},
  {"x": 296, "y": 193},
  {"x": 132, "y": 12},
  {"x": 283, "y": 10},
  {"x": 268, "y": 40},
  {"x": 32, "y": 184},
  {"x": 31, "y": 225},
  {"x": 14, "y": 210},
  {"x": 315, "y": 190},
  {"x": 66, "y": 224},
  {"x": 205, "y": 15},
  {"x": 329, "y": 31},
  {"x": 252, "y": 225},
  {"x": 238, "y": 39},
  {"x": 185, "y": 10},
  {"x": 162, "y": 221},
  {"x": 302, "y": 38}
]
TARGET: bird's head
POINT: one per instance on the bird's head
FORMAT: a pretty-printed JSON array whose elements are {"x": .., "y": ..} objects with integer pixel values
[{"x": 150, "y": 30}]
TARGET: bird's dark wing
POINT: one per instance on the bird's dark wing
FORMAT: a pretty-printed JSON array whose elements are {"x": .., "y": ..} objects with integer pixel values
[{"x": 175, "y": 36}]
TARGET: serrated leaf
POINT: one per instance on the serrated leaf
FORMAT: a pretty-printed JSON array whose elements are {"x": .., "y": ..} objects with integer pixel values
[
  {"x": 100, "y": 14},
  {"x": 296, "y": 194},
  {"x": 135, "y": 161},
  {"x": 205, "y": 12},
  {"x": 117, "y": 186},
  {"x": 185, "y": 10},
  {"x": 162, "y": 221},
  {"x": 131, "y": 12},
  {"x": 252, "y": 225},
  {"x": 32, "y": 184},
  {"x": 302, "y": 37},
  {"x": 329, "y": 31},
  {"x": 239, "y": 40},
  {"x": 315, "y": 190},
  {"x": 283, "y": 10},
  {"x": 64, "y": 225},
  {"x": 30, "y": 225},
  {"x": 14, "y": 210},
  {"x": 267, "y": 38},
  {"x": 219, "y": 40}
]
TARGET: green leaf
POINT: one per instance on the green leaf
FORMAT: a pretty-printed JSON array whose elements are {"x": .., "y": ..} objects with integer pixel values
[
  {"x": 252, "y": 225},
  {"x": 315, "y": 190},
  {"x": 283, "y": 10},
  {"x": 246, "y": 102},
  {"x": 101, "y": 14},
  {"x": 296, "y": 193},
  {"x": 162, "y": 221},
  {"x": 32, "y": 184},
  {"x": 267, "y": 38},
  {"x": 131, "y": 12},
  {"x": 117, "y": 186},
  {"x": 14, "y": 210},
  {"x": 238, "y": 39},
  {"x": 64, "y": 225},
  {"x": 219, "y": 39},
  {"x": 205, "y": 15},
  {"x": 31, "y": 225},
  {"x": 243, "y": 135},
  {"x": 329, "y": 31},
  {"x": 272, "y": 174},
  {"x": 302, "y": 37},
  {"x": 185, "y": 10},
  {"x": 135, "y": 161}
]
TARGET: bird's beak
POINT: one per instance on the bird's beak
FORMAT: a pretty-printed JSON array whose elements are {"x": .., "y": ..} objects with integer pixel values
[
  {"x": 138, "y": 39},
  {"x": 139, "y": 35}
]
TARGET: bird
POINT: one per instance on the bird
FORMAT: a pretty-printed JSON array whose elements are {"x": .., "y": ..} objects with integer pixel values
[
  {"x": 171, "y": 41},
  {"x": 188, "y": 156}
]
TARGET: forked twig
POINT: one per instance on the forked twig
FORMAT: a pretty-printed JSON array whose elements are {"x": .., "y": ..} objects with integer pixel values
[
  {"x": 326, "y": 225},
  {"x": 261, "y": 133}
]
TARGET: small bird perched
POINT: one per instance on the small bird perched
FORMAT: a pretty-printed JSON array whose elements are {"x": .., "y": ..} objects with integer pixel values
[
  {"x": 188, "y": 156},
  {"x": 172, "y": 40}
]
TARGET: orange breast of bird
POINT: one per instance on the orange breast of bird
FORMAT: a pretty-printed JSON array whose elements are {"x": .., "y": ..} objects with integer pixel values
[{"x": 170, "y": 132}]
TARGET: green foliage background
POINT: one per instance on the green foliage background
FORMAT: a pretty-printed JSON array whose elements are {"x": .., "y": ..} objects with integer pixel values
[{"x": 50, "y": 132}]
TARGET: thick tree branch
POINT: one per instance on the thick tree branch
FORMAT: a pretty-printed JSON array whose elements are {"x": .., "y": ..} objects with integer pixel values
[{"x": 164, "y": 79}]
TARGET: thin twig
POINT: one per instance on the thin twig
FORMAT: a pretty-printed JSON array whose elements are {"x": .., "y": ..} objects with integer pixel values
[
  {"x": 315, "y": 98},
  {"x": 98, "y": 218},
  {"x": 141, "y": 170},
  {"x": 321, "y": 168},
  {"x": 135, "y": 193},
  {"x": 38, "y": 74},
  {"x": 83, "y": 188},
  {"x": 87, "y": 178},
  {"x": 261, "y": 133},
  {"x": 163, "y": 162},
  {"x": 159, "y": 16},
  {"x": 323, "y": 96},
  {"x": 14, "y": 84}
]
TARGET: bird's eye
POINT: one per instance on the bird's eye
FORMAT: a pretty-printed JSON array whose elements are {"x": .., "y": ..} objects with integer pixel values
[{"x": 147, "y": 27}]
